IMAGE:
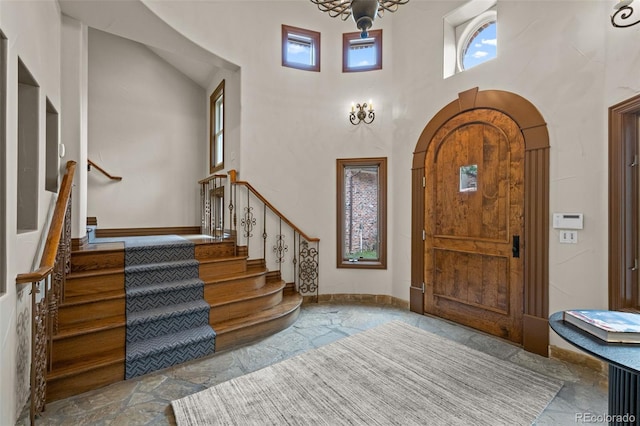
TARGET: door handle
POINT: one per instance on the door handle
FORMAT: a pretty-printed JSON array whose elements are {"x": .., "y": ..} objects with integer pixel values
[{"x": 515, "y": 249}]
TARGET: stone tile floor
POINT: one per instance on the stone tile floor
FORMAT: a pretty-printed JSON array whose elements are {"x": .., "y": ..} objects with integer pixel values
[{"x": 146, "y": 400}]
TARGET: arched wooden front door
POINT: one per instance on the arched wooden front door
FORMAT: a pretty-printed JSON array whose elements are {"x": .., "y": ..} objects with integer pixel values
[
  {"x": 480, "y": 217},
  {"x": 474, "y": 220}
]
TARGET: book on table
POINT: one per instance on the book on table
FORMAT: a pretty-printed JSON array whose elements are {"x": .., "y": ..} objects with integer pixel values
[{"x": 610, "y": 326}]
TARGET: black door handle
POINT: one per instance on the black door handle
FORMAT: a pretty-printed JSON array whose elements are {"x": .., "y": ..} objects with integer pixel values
[{"x": 515, "y": 249}]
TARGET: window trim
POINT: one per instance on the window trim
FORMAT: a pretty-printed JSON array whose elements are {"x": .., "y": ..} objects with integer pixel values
[
  {"x": 453, "y": 20},
  {"x": 376, "y": 35},
  {"x": 341, "y": 165},
  {"x": 468, "y": 34},
  {"x": 214, "y": 164},
  {"x": 301, "y": 32},
  {"x": 624, "y": 134}
]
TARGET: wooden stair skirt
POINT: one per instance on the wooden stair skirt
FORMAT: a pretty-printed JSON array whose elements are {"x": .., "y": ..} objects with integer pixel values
[{"x": 247, "y": 303}]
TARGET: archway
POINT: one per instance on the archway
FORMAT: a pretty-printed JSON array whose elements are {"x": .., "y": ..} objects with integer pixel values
[{"x": 535, "y": 328}]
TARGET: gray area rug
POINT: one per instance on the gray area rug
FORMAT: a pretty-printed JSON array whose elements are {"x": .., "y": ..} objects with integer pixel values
[{"x": 392, "y": 374}]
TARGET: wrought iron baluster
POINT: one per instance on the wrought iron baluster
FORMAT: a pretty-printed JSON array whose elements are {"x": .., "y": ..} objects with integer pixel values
[
  {"x": 222, "y": 209},
  {"x": 39, "y": 347},
  {"x": 248, "y": 221},
  {"x": 295, "y": 261},
  {"x": 280, "y": 248},
  {"x": 264, "y": 233},
  {"x": 203, "y": 227},
  {"x": 308, "y": 272},
  {"x": 213, "y": 205}
]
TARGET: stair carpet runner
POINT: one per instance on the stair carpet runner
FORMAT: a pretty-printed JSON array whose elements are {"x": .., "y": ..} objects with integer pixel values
[{"x": 167, "y": 316}]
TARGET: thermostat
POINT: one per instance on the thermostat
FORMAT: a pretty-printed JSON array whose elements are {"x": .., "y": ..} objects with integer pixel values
[{"x": 568, "y": 220}]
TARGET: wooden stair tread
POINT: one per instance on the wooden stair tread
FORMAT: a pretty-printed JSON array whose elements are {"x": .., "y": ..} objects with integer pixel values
[
  {"x": 222, "y": 259},
  {"x": 94, "y": 273},
  {"x": 83, "y": 365},
  {"x": 86, "y": 328},
  {"x": 289, "y": 303},
  {"x": 267, "y": 289},
  {"x": 86, "y": 300},
  {"x": 250, "y": 302},
  {"x": 252, "y": 272}
]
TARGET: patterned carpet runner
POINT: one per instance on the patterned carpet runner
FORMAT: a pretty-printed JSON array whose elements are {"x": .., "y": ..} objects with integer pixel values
[{"x": 167, "y": 316}]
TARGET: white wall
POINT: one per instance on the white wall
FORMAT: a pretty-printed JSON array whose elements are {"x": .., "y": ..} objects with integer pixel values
[
  {"x": 295, "y": 123},
  {"x": 560, "y": 62},
  {"x": 146, "y": 123},
  {"x": 38, "y": 45},
  {"x": 570, "y": 63}
]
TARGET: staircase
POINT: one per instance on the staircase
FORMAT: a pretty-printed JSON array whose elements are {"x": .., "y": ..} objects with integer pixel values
[
  {"x": 116, "y": 312},
  {"x": 167, "y": 316}
]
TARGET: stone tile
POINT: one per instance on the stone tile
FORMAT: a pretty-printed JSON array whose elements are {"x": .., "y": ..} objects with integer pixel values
[
  {"x": 146, "y": 400},
  {"x": 139, "y": 414}
]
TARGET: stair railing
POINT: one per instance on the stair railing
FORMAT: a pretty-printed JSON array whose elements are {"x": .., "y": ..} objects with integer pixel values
[
  {"x": 284, "y": 246},
  {"x": 212, "y": 205},
  {"x": 297, "y": 265},
  {"x": 101, "y": 170},
  {"x": 47, "y": 291}
]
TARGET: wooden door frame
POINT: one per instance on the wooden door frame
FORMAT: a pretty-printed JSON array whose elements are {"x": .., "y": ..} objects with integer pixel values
[
  {"x": 623, "y": 147},
  {"x": 536, "y": 206}
]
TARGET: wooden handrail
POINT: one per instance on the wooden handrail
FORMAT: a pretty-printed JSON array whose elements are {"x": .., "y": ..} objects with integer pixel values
[
  {"x": 55, "y": 231},
  {"x": 212, "y": 177},
  {"x": 104, "y": 172},
  {"x": 233, "y": 176}
]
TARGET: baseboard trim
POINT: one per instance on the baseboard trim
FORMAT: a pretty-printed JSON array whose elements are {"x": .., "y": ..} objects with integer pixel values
[
  {"x": 578, "y": 358},
  {"x": 137, "y": 232},
  {"x": 370, "y": 299}
]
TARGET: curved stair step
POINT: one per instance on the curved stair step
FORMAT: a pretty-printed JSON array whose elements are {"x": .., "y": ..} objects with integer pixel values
[
  {"x": 239, "y": 305},
  {"x": 157, "y": 295},
  {"x": 233, "y": 284},
  {"x": 85, "y": 374},
  {"x": 151, "y": 273},
  {"x": 145, "y": 325},
  {"x": 239, "y": 331},
  {"x": 150, "y": 355}
]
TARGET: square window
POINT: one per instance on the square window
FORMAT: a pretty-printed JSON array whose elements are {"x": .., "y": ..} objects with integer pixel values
[
  {"x": 362, "y": 54},
  {"x": 300, "y": 48}
]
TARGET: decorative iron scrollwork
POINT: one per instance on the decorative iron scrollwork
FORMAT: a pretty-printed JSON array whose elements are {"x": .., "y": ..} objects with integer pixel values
[
  {"x": 280, "y": 248},
  {"x": 39, "y": 351},
  {"x": 248, "y": 222},
  {"x": 308, "y": 272},
  {"x": 621, "y": 17}
]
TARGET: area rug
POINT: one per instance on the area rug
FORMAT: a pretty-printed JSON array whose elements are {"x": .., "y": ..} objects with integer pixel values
[{"x": 392, "y": 374}]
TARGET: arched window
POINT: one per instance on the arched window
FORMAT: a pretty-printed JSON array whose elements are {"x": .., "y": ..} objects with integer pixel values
[{"x": 477, "y": 42}]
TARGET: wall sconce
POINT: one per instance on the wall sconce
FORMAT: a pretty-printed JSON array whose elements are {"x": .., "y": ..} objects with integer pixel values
[
  {"x": 623, "y": 12},
  {"x": 364, "y": 113}
]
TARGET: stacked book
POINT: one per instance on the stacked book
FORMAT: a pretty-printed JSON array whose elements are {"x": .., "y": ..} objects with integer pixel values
[{"x": 610, "y": 326}]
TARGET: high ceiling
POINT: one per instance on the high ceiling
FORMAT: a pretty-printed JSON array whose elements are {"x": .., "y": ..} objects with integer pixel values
[{"x": 131, "y": 19}]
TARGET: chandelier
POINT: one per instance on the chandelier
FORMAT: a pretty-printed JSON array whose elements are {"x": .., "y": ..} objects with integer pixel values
[
  {"x": 363, "y": 11},
  {"x": 623, "y": 11}
]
